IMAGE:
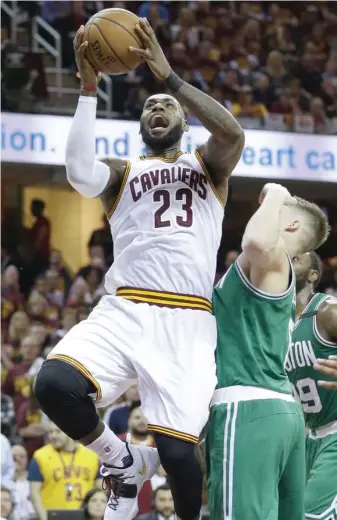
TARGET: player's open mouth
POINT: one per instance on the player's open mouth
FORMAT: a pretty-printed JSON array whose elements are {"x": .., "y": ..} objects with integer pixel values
[{"x": 158, "y": 122}]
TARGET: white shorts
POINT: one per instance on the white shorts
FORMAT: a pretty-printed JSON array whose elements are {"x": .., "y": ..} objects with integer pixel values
[{"x": 169, "y": 350}]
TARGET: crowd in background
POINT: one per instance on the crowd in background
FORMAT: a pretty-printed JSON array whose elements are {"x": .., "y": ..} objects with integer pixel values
[{"x": 272, "y": 64}]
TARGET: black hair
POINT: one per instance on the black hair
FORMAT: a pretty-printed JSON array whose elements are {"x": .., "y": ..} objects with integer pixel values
[
  {"x": 317, "y": 265},
  {"x": 86, "y": 499},
  {"x": 98, "y": 271},
  {"x": 38, "y": 204},
  {"x": 133, "y": 406},
  {"x": 163, "y": 487}
]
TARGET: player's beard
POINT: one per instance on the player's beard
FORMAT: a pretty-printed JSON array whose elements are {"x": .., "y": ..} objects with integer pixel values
[{"x": 160, "y": 144}]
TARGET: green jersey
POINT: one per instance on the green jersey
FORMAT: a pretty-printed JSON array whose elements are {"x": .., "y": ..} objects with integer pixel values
[
  {"x": 254, "y": 330},
  {"x": 319, "y": 405}
]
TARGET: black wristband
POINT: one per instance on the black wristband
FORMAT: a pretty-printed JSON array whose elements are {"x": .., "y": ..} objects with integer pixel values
[{"x": 173, "y": 82}]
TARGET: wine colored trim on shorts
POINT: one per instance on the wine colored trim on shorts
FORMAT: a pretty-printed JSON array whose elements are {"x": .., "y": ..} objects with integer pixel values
[
  {"x": 173, "y": 433},
  {"x": 76, "y": 364},
  {"x": 164, "y": 299}
]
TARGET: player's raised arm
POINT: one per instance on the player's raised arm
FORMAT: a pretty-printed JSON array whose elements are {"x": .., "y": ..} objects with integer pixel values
[
  {"x": 264, "y": 258},
  {"x": 223, "y": 149},
  {"x": 87, "y": 175}
]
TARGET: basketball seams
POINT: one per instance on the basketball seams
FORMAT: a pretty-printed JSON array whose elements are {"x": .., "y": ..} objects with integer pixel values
[
  {"x": 107, "y": 44},
  {"x": 122, "y": 27}
]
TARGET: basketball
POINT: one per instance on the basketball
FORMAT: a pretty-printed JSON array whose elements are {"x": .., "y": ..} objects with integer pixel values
[{"x": 110, "y": 33}]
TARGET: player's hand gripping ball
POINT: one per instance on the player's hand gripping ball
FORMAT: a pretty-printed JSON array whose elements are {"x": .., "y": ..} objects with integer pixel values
[
  {"x": 152, "y": 52},
  {"x": 88, "y": 75}
]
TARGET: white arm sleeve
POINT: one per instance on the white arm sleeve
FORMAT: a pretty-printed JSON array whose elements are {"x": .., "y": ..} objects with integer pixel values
[{"x": 86, "y": 175}]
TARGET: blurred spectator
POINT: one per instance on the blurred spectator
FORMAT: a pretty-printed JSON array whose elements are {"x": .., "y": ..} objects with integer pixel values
[
  {"x": 40, "y": 233},
  {"x": 15, "y": 76},
  {"x": 30, "y": 422},
  {"x": 18, "y": 329},
  {"x": 60, "y": 16},
  {"x": 7, "y": 465},
  {"x": 18, "y": 382},
  {"x": 56, "y": 263},
  {"x": 138, "y": 433},
  {"x": 117, "y": 415},
  {"x": 7, "y": 416},
  {"x": 88, "y": 288},
  {"x": 69, "y": 320},
  {"x": 24, "y": 509},
  {"x": 263, "y": 93},
  {"x": 61, "y": 473},
  {"x": 145, "y": 10},
  {"x": 7, "y": 503},
  {"x": 11, "y": 298},
  {"x": 247, "y": 107},
  {"x": 102, "y": 237},
  {"x": 94, "y": 504},
  {"x": 319, "y": 116},
  {"x": 163, "y": 507},
  {"x": 276, "y": 71}
]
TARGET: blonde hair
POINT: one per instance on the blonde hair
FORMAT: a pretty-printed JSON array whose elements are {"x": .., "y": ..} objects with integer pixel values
[{"x": 317, "y": 229}]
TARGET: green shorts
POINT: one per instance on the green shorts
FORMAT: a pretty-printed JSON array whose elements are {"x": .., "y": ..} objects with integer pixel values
[
  {"x": 321, "y": 487},
  {"x": 255, "y": 457}
]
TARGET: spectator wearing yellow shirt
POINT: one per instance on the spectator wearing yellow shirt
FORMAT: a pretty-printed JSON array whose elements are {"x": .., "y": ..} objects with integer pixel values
[
  {"x": 61, "y": 473},
  {"x": 246, "y": 107}
]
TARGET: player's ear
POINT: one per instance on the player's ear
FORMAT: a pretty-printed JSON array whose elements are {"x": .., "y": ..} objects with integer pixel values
[
  {"x": 313, "y": 275},
  {"x": 293, "y": 226},
  {"x": 186, "y": 126}
]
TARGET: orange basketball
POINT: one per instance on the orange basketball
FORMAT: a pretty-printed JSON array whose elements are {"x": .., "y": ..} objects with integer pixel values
[{"x": 110, "y": 33}]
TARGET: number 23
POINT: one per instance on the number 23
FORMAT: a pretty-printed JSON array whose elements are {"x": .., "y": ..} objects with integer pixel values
[{"x": 164, "y": 196}]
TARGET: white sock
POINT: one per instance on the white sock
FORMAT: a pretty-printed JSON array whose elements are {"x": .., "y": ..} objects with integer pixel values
[{"x": 109, "y": 448}]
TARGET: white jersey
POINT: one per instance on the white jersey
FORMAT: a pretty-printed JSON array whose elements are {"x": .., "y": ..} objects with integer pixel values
[{"x": 166, "y": 226}]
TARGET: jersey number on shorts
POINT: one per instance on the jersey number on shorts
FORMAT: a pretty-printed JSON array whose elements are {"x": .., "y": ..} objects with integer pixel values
[
  {"x": 306, "y": 391},
  {"x": 164, "y": 196}
]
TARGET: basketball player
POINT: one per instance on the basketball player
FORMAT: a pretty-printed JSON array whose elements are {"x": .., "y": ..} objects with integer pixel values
[
  {"x": 165, "y": 211},
  {"x": 315, "y": 336},
  {"x": 255, "y": 436}
]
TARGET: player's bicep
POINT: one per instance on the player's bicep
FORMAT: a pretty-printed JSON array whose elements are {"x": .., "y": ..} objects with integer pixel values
[{"x": 221, "y": 157}]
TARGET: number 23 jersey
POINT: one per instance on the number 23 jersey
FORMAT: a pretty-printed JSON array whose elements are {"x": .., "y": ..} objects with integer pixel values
[
  {"x": 166, "y": 225},
  {"x": 319, "y": 405}
]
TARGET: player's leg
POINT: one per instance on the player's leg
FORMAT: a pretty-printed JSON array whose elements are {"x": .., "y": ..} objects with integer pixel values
[
  {"x": 292, "y": 481},
  {"x": 321, "y": 488},
  {"x": 176, "y": 383},
  {"x": 92, "y": 362}
]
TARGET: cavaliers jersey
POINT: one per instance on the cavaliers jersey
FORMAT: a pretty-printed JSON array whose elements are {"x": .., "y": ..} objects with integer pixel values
[
  {"x": 319, "y": 405},
  {"x": 166, "y": 225},
  {"x": 65, "y": 477}
]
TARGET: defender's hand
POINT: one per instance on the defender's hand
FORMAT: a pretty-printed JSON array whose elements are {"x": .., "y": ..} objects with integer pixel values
[
  {"x": 87, "y": 73},
  {"x": 329, "y": 368},
  {"x": 152, "y": 52}
]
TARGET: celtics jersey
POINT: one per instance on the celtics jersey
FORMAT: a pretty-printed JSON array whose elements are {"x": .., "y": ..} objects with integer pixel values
[
  {"x": 319, "y": 405},
  {"x": 254, "y": 330}
]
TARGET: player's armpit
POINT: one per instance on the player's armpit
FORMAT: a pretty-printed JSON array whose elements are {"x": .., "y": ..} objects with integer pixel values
[
  {"x": 327, "y": 319},
  {"x": 117, "y": 169}
]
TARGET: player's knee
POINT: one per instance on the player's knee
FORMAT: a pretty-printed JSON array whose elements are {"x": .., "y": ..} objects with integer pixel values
[
  {"x": 174, "y": 453},
  {"x": 58, "y": 383}
]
